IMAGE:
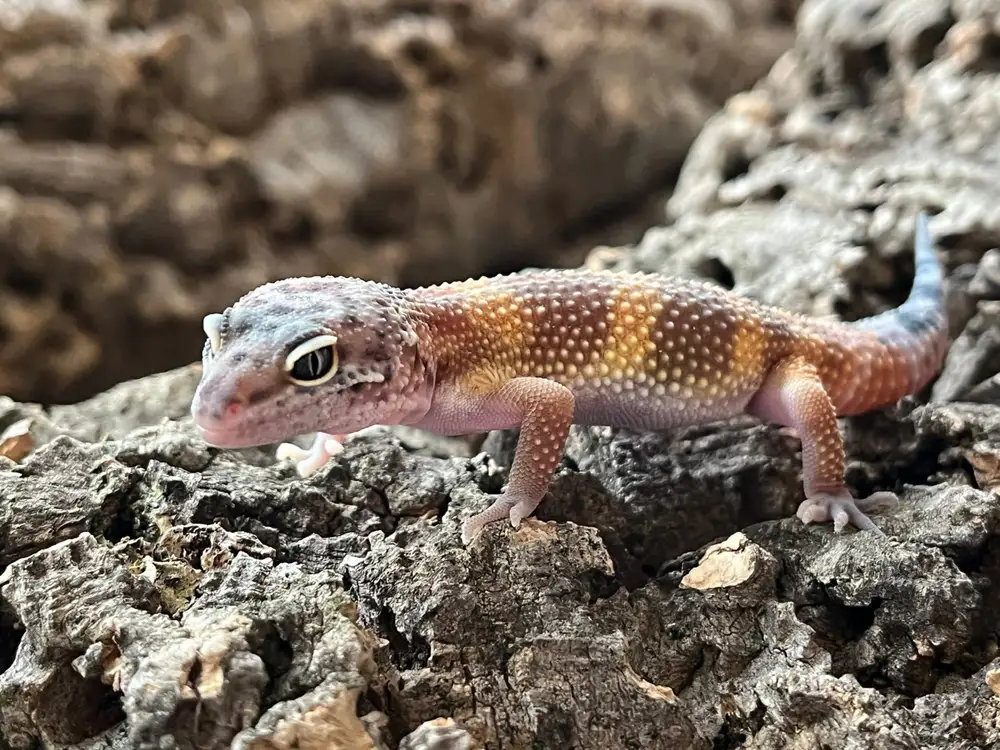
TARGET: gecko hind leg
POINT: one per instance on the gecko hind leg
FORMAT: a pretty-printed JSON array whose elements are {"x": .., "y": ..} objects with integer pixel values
[{"x": 793, "y": 395}]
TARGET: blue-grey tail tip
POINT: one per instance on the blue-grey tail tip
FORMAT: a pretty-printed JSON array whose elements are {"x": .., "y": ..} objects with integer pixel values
[
  {"x": 923, "y": 311},
  {"x": 923, "y": 245},
  {"x": 922, "y": 314},
  {"x": 928, "y": 279},
  {"x": 923, "y": 228}
]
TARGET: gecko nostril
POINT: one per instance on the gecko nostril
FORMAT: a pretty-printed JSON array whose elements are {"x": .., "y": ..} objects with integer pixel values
[{"x": 232, "y": 408}]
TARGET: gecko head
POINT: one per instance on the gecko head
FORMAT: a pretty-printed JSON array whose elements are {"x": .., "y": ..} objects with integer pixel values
[{"x": 304, "y": 355}]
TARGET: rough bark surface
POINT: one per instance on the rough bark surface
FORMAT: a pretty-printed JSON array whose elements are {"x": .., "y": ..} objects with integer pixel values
[
  {"x": 160, "y": 158},
  {"x": 156, "y": 591}
]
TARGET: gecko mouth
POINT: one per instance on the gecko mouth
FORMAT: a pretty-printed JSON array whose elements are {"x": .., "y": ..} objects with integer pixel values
[
  {"x": 221, "y": 433},
  {"x": 235, "y": 434},
  {"x": 221, "y": 437},
  {"x": 226, "y": 430}
]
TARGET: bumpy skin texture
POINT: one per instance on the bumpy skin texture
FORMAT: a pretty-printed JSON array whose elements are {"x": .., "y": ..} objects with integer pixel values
[{"x": 546, "y": 349}]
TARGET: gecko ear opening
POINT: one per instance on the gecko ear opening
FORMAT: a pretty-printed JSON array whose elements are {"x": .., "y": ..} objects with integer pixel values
[{"x": 313, "y": 362}]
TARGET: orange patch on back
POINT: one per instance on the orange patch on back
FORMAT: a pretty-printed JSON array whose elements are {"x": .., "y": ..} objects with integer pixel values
[
  {"x": 488, "y": 338},
  {"x": 750, "y": 343},
  {"x": 629, "y": 319}
]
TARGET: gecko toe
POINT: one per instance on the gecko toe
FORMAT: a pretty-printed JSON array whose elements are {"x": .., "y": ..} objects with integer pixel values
[
  {"x": 813, "y": 510},
  {"x": 877, "y": 501},
  {"x": 521, "y": 510},
  {"x": 309, "y": 461},
  {"x": 290, "y": 452},
  {"x": 514, "y": 509},
  {"x": 500, "y": 508},
  {"x": 470, "y": 530}
]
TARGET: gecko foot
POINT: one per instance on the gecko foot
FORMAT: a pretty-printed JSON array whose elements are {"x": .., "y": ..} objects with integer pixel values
[
  {"x": 512, "y": 508},
  {"x": 843, "y": 509},
  {"x": 310, "y": 460}
]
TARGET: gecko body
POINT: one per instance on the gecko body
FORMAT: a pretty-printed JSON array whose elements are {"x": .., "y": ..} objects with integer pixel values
[{"x": 542, "y": 350}]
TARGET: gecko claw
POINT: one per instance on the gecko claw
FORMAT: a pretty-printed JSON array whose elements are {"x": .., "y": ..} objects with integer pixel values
[
  {"x": 515, "y": 517},
  {"x": 521, "y": 510},
  {"x": 309, "y": 461}
]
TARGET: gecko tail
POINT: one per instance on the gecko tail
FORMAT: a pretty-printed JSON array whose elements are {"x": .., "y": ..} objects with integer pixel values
[
  {"x": 913, "y": 338},
  {"x": 922, "y": 315}
]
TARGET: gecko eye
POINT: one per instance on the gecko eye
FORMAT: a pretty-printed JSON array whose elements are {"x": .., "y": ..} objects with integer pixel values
[{"x": 313, "y": 362}]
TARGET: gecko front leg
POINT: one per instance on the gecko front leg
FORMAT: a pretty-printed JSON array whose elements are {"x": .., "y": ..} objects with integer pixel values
[
  {"x": 308, "y": 461},
  {"x": 544, "y": 410},
  {"x": 793, "y": 395}
]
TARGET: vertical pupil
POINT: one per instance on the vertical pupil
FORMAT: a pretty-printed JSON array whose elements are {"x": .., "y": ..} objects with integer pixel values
[
  {"x": 313, "y": 365},
  {"x": 316, "y": 360}
]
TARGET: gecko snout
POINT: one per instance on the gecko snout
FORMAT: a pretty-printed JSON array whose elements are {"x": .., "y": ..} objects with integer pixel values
[
  {"x": 218, "y": 407},
  {"x": 218, "y": 416}
]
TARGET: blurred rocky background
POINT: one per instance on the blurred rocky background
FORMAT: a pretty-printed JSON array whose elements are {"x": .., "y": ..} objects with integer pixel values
[
  {"x": 161, "y": 158},
  {"x": 158, "y": 158}
]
